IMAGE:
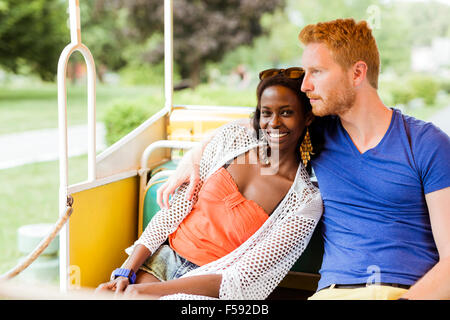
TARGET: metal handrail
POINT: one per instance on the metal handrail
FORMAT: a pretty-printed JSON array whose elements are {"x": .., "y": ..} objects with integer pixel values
[{"x": 75, "y": 45}]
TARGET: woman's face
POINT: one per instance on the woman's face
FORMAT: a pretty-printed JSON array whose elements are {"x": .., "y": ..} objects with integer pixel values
[{"x": 282, "y": 117}]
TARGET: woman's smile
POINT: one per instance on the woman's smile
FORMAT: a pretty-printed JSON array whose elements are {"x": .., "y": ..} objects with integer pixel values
[{"x": 276, "y": 136}]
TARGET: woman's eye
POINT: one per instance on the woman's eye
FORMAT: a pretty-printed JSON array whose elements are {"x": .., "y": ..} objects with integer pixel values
[
  {"x": 265, "y": 113},
  {"x": 286, "y": 112}
]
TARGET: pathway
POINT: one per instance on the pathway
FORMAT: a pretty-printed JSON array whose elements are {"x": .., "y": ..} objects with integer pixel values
[{"x": 42, "y": 145}]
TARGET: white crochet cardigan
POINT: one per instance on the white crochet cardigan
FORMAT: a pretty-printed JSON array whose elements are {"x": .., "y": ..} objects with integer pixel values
[{"x": 253, "y": 270}]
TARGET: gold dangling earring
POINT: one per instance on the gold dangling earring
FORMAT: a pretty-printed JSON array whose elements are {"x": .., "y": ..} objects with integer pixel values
[{"x": 306, "y": 149}]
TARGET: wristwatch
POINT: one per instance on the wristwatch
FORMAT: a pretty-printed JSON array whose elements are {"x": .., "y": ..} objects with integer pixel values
[{"x": 122, "y": 272}]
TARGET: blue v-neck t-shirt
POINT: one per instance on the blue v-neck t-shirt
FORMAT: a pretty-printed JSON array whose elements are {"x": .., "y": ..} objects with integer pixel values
[{"x": 375, "y": 224}]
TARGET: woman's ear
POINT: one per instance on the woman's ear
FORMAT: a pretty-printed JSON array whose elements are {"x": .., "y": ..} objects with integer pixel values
[{"x": 309, "y": 118}]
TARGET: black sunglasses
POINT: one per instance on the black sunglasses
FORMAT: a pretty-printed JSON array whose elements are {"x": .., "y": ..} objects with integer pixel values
[{"x": 292, "y": 73}]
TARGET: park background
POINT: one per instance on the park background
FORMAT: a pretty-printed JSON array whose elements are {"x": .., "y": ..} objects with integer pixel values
[{"x": 220, "y": 47}]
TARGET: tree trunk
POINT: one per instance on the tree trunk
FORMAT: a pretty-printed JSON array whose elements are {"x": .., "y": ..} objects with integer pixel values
[{"x": 194, "y": 73}]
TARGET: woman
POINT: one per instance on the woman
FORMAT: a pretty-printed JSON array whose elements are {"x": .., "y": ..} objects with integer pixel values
[{"x": 252, "y": 214}]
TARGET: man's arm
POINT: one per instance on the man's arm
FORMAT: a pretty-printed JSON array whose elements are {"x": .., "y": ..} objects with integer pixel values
[{"x": 435, "y": 284}]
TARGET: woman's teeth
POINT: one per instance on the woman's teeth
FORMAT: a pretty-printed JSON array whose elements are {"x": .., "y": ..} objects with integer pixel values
[{"x": 277, "y": 135}]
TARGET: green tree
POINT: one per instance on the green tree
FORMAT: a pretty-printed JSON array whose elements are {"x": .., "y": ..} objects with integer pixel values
[
  {"x": 32, "y": 34},
  {"x": 104, "y": 32},
  {"x": 203, "y": 30}
]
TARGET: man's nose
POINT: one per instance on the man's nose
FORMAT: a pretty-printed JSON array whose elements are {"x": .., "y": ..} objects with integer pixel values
[{"x": 306, "y": 84}]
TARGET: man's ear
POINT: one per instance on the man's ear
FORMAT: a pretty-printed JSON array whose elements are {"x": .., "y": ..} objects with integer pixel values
[{"x": 359, "y": 73}]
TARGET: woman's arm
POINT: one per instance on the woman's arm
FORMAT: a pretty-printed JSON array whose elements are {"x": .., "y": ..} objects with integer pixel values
[
  {"x": 202, "y": 285},
  {"x": 135, "y": 260}
]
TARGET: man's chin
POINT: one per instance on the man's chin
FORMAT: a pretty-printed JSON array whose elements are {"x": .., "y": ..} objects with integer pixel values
[{"x": 320, "y": 111}]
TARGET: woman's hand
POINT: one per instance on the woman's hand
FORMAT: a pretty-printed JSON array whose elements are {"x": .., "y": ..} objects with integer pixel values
[{"x": 117, "y": 285}]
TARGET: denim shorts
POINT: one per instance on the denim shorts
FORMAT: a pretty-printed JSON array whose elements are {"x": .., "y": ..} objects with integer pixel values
[{"x": 165, "y": 264}]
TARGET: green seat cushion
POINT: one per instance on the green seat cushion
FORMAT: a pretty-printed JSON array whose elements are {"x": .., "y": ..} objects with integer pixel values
[{"x": 151, "y": 207}]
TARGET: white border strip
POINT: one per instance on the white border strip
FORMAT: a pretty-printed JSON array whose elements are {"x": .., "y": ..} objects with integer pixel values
[
  {"x": 224, "y": 109},
  {"x": 82, "y": 186}
]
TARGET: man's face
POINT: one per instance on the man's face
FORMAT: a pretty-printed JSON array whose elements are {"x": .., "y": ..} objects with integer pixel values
[{"x": 327, "y": 85}]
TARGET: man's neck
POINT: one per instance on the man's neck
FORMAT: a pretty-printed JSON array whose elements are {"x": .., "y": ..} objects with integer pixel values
[{"x": 367, "y": 121}]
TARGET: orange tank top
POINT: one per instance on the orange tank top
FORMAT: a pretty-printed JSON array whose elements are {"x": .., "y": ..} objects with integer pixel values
[{"x": 220, "y": 221}]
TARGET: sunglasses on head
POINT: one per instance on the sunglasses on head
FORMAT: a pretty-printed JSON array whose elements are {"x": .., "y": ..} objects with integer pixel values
[{"x": 291, "y": 73}]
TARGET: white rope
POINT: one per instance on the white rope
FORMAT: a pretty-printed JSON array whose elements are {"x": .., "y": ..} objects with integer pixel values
[{"x": 42, "y": 245}]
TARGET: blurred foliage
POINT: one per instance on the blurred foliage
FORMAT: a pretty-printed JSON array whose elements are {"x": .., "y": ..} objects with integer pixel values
[
  {"x": 203, "y": 30},
  {"x": 32, "y": 36},
  {"x": 403, "y": 90},
  {"x": 104, "y": 33},
  {"x": 122, "y": 117},
  {"x": 424, "y": 86}
]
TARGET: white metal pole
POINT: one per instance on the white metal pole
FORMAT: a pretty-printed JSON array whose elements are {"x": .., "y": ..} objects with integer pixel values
[
  {"x": 168, "y": 54},
  {"x": 75, "y": 45},
  {"x": 63, "y": 164},
  {"x": 91, "y": 83},
  {"x": 75, "y": 25}
]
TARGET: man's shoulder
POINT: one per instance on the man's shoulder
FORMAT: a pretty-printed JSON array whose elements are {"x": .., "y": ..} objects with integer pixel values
[{"x": 421, "y": 131}]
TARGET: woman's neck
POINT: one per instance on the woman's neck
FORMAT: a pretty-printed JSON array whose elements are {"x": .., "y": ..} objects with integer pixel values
[{"x": 286, "y": 162}]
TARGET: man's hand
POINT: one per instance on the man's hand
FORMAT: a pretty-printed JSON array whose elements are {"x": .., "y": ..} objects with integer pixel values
[{"x": 188, "y": 170}]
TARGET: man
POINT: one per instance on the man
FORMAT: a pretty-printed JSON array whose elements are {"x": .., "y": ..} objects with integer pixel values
[{"x": 384, "y": 176}]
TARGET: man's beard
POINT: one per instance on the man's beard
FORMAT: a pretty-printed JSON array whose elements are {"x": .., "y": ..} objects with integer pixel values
[{"x": 338, "y": 102}]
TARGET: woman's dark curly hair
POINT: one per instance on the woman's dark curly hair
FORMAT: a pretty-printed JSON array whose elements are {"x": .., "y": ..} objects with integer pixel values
[{"x": 294, "y": 85}]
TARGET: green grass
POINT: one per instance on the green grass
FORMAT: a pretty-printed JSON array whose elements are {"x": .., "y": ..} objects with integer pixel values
[
  {"x": 32, "y": 108},
  {"x": 28, "y": 195}
]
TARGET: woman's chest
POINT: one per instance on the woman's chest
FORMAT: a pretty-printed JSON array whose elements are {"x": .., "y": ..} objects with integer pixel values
[{"x": 266, "y": 190}]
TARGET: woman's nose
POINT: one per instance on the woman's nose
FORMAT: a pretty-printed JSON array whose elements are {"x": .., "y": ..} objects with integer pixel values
[{"x": 274, "y": 121}]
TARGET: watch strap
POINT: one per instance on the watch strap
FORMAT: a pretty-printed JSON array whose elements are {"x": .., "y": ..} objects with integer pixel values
[{"x": 123, "y": 272}]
